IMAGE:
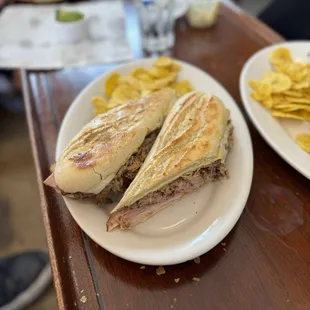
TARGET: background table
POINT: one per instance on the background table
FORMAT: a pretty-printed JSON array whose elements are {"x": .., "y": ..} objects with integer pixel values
[{"x": 264, "y": 263}]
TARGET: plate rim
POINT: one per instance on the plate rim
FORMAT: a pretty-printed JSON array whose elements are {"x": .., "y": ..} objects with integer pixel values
[
  {"x": 229, "y": 224},
  {"x": 247, "y": 105}
]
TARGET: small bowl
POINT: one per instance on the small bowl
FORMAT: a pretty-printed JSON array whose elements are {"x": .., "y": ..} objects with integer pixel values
[{"x": 71, "y": 32}]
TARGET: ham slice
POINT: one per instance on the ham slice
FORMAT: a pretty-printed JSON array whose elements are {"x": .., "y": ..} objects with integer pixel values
[
  {"x": 50, "y": 181},
  {"x": 154, "y": 202},
  {"x": 126, "y": 219}
]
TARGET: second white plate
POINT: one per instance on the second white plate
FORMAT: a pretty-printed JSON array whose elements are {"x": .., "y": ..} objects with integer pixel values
[
  {"x": 191, "y": 226},
  {"x": 278, "y": 133}
]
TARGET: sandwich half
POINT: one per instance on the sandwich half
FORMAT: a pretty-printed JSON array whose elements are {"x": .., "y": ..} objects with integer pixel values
[
  {"x": 105, "y": 156},
  {"x": 190, "y": 151}
]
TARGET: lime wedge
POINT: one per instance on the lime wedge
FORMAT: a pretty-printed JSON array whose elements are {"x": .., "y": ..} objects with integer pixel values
[{"x": 68, "y": 16}]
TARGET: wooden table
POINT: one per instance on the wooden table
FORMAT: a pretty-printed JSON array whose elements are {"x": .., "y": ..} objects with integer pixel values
[{"x": 263, "y": 264}]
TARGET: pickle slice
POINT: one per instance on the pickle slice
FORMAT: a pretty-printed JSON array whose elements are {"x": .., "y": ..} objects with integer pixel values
[{"x": 68, "y": 16}]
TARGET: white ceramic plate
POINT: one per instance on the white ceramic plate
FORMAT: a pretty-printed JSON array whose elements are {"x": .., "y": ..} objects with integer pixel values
[
  {"x": 190, "y": 227},
  {"x": 278, "y": 133}
]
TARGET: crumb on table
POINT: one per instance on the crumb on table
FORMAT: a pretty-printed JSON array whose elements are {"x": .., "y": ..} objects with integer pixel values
[{"x": 160, "y": 270}]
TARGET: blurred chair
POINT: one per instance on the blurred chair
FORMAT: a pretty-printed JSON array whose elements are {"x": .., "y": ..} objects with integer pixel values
[{"x": 290, "y": 18}]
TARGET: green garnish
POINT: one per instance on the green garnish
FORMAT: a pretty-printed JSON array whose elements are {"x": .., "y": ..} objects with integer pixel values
[{"x": 68, "y": 16}]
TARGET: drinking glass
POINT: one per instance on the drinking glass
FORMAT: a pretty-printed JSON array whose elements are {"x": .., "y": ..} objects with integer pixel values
[{"x": 157, "y": 24}]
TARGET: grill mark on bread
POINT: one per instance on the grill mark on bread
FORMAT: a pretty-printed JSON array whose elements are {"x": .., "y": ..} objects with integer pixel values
[
  {"x": 196, "y": 132},
  {"x": 106, "y": 122},
  {"x": 83, "y": 159}
]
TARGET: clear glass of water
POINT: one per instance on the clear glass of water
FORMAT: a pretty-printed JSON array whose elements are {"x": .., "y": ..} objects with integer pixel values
[{"x": 157, "y": 24}]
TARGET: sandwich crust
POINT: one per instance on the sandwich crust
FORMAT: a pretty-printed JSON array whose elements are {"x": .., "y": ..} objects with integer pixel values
[
  {"x": 194, "y": 135},
  {"x": 93, "y": 157}
]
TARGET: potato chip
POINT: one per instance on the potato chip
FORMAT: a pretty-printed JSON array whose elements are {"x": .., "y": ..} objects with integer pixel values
[
  {"x": 150, "y": 86},
  {"x": 138, "y": 71},
  {"x": 99, "y": 100},
  {"x": 267, "y": 103},
  {"x": 140, "y": 83},
  {"x": 300, "y": 115},
  {"x": 145, "y": 77},
  {"x": 289, "y": 107},
  {"x": 112, "y": 104},
  {"x": 255, "y": 96},
  {"x": 141, "y": 74},
  {"x": 111, "y": 83},
  {"x": 175, "y": 67},
  {"x": 125, "y": 93},
  {"x": 129, "y": 80},
  {"x": 280, "y": 55},
  {"x": 297, "y": 100},
  {"x": 301, "y": 85},
  {"x": 159, "y": 72},
  {"x": 181, "y": 88},
  {"x": 293, "y": 93},
  {"x": 100, "y": 105},
  {"x": 262, "y": 90},
  {"x": 304, "y": 107},
  {"x": 98, "y": 110},
  {"x": 159, "y": 83},
  {"x": 305, "y": 92},
  {"x": 295, "y": 107},
  {"x": 303, "y": 140},
  {"x": 145, "y": 92},
  {"x": 278, "y": 99},
  {"x": 285, "y": 107},
  {"x": 279, "y": 82},
  {"x": 163, "y": 61},
  {"x": 163, "y": 82},
  {"x": 297, "y": 72}
]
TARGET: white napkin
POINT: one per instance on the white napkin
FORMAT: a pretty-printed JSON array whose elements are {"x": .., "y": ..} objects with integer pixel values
[{"x": 31, "y": 38}]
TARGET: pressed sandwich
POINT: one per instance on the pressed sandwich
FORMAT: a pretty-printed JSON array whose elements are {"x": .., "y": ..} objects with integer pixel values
[
  {"x": 190, "y": 151},
  {"x": 107, "y": 153}
]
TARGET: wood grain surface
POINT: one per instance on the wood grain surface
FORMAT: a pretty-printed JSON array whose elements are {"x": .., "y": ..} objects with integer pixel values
[{"x": 264, "y": 263}]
